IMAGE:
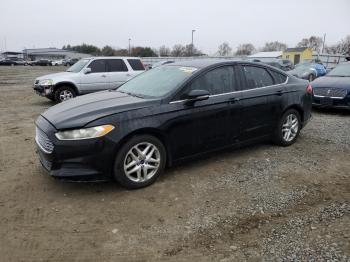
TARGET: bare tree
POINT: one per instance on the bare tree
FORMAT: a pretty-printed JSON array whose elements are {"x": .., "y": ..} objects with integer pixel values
[
  {"x": 245, "y": 49},
  {"x": 178, "y": 50},
  {"x": 314, "y": 42},
  {"x": 191, "y": 50},
  {"x": 224, "y": 49},
  {"x": 164, "y": 51},
  {"x": 342, "y": 47},
  {"x": 274, "y": 46}
]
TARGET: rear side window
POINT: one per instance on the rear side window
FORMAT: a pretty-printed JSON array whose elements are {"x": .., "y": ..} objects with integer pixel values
[
  {"x": 257, "y": 77},
  {"x": 217, "y": 81},
  {"x": 136, "y": 64},
  {"x": 116, "y": 65},
  {"x": 98, "y": 66},
  {"x": 279, "y": 78}
]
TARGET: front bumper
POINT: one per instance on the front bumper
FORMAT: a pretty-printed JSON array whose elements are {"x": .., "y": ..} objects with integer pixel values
[
  {"x": 331, "y": 102},
  {"x": 43, "y": 90},
  {"x": 80, "y": 160}
]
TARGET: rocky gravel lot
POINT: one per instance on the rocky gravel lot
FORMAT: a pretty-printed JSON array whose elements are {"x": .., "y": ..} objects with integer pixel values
[{"x": 258, "y": 203}]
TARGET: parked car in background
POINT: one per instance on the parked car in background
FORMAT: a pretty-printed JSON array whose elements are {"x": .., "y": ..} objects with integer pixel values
[
  {"x": 70, "y": 62},
  {"x": 41, "y": 62},
  {"x": 308, "y": 71},
  {"x": 287, "y": 64},
  {"x": 275, "y": 64},
  {"x": 281, "y": 64},
  {"x": 333, "y": 89},
  {"x": 168, "y": 114},
  {"x": 13, "y": 61},
  {"x": 88, "y": 75},
  {"x": 57, "y": 62}
]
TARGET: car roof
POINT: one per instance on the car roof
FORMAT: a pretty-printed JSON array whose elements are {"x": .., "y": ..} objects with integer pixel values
[
  {"x": 202, "y": 63},
  {"x": 113, "y": 57}
]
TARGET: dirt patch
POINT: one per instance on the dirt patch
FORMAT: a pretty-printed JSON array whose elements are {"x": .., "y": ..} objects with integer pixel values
[{"x": 256, "y": 203}]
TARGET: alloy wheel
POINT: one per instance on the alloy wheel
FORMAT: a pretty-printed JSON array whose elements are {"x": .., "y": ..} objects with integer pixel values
[
  {"x": 290, "y": 127},
  {"x": 65, "y": 95},
  {"x": 142, "y": 162}
]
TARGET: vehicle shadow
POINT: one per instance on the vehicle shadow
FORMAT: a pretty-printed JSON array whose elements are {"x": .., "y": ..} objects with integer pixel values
[
  {"x": 332, "y": 111},
  {"x": 47, "y": 103},
  {"x": 178, "y": 169}
]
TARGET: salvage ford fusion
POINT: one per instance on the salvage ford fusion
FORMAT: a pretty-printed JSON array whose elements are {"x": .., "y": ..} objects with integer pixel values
[{"x": 167, "y": 114}]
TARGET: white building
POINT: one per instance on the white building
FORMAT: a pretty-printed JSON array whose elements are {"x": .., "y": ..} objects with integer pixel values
[
  {"x": 51, "y": 54},
  {"x": 267, "y": 55}
]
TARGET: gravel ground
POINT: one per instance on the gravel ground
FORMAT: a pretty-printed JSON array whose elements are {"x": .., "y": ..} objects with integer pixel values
[{"x": 261, "y": 202}]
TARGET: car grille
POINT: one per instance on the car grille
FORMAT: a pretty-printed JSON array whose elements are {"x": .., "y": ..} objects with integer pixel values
[
  {"x": 330, "y": 92},
  {"x": 43, "y": 141}
]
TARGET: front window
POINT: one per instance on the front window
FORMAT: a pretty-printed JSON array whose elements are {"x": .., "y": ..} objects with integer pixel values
[
  {"x": 78, "y": 66},
  {"x": 341, "y": 70},
  {"x": 158, "y": 81}
]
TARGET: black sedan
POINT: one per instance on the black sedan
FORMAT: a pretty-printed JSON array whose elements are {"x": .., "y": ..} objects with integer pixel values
[
  {"x": 333, "y": 90},
  {"x": 42, "y": 62},
  {"x": 167, "y": 114}
]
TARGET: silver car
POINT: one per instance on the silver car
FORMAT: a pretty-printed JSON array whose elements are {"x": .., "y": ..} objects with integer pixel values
[{"x": 88, "y": 75}]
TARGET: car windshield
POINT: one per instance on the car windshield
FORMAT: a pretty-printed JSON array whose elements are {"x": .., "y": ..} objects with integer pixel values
[
  {"x": 78, "y": 66},
  {"x": 341, "y": 70},
  {"x": 157, "y": 82}
]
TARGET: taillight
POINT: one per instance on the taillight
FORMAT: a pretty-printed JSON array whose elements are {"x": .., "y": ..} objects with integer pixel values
[{"x": 309, "y": 89}]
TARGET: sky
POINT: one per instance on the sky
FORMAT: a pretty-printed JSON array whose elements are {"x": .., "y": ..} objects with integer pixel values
[{"x": 54, "y": 23}]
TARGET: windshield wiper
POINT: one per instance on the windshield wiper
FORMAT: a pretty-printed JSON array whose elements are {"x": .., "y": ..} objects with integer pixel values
[{"x": 130, "y": 94}]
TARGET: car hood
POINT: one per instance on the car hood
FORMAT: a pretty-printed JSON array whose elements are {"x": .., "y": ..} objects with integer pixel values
[
  {"x": 332, "y": 81},
  {"x": 55, "y": 75},
  {"x": 79, "y": 111}
]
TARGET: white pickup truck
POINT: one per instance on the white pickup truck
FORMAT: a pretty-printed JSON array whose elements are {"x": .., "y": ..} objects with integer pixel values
[{"x": 88, "y": 75}]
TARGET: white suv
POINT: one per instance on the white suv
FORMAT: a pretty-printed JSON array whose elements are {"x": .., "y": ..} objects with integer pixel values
[{"x": 88, "y": 75}]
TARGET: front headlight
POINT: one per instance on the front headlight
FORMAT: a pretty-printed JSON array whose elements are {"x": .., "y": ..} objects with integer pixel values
[
  {"x": 85, "y": 133},
  {"x": 46, "y": 82}
]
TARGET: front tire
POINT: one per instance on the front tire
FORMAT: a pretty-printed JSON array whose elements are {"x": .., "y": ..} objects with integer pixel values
[
  {"x": 288, "y": 128},
  {"x": 64, "y": 93},
  {"x": 140, "y": 161}
]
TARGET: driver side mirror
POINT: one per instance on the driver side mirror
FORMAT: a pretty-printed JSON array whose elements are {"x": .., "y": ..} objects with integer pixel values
[
  {"x": 87, "y": 70},
  {"x": 196, "y": 95}
]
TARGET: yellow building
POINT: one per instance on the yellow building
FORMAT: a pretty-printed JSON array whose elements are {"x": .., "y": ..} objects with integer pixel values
[{"x": 298, "y": 54}]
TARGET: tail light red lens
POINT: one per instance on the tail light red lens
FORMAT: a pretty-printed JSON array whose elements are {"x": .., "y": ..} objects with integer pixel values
[{"x": 309, "y": 89}]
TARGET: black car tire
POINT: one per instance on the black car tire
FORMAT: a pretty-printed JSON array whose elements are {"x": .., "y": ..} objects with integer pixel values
[
  {"x": 119, "y": 172},
  {"x": 311, "y": 77},
  {"x": 278, "y": 137},
  {"x": 61, "y": 89}
]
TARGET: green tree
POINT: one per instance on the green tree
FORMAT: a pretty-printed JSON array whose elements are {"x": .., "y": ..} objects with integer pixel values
[
  {"x": 143, "y": 52},
  {"x": 108, "y": 51}
]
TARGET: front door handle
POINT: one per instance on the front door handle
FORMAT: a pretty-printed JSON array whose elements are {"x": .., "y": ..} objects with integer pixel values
[
  {"x": 279, "y": 92},
  {"x": 103, "y": 75}
]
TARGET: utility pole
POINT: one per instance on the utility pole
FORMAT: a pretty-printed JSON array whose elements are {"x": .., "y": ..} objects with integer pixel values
[
  {"x": 324, "y": 41},
  {"x": 129, "y": 47},
  {"x": 192, "y": 46}
]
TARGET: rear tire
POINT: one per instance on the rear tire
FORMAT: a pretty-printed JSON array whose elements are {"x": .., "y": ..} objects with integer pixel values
[
  {"x": 288, "y": 128},
  {"x": 139, "y": 162},
  {"x": 64, "y": 93},
  {"x": 311, "y": 78}
]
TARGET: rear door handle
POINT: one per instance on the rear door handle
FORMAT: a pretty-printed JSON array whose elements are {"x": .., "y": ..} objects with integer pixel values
[
  {"x": 234, "y": 99},
  {"x": 103, "y": 75}
]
